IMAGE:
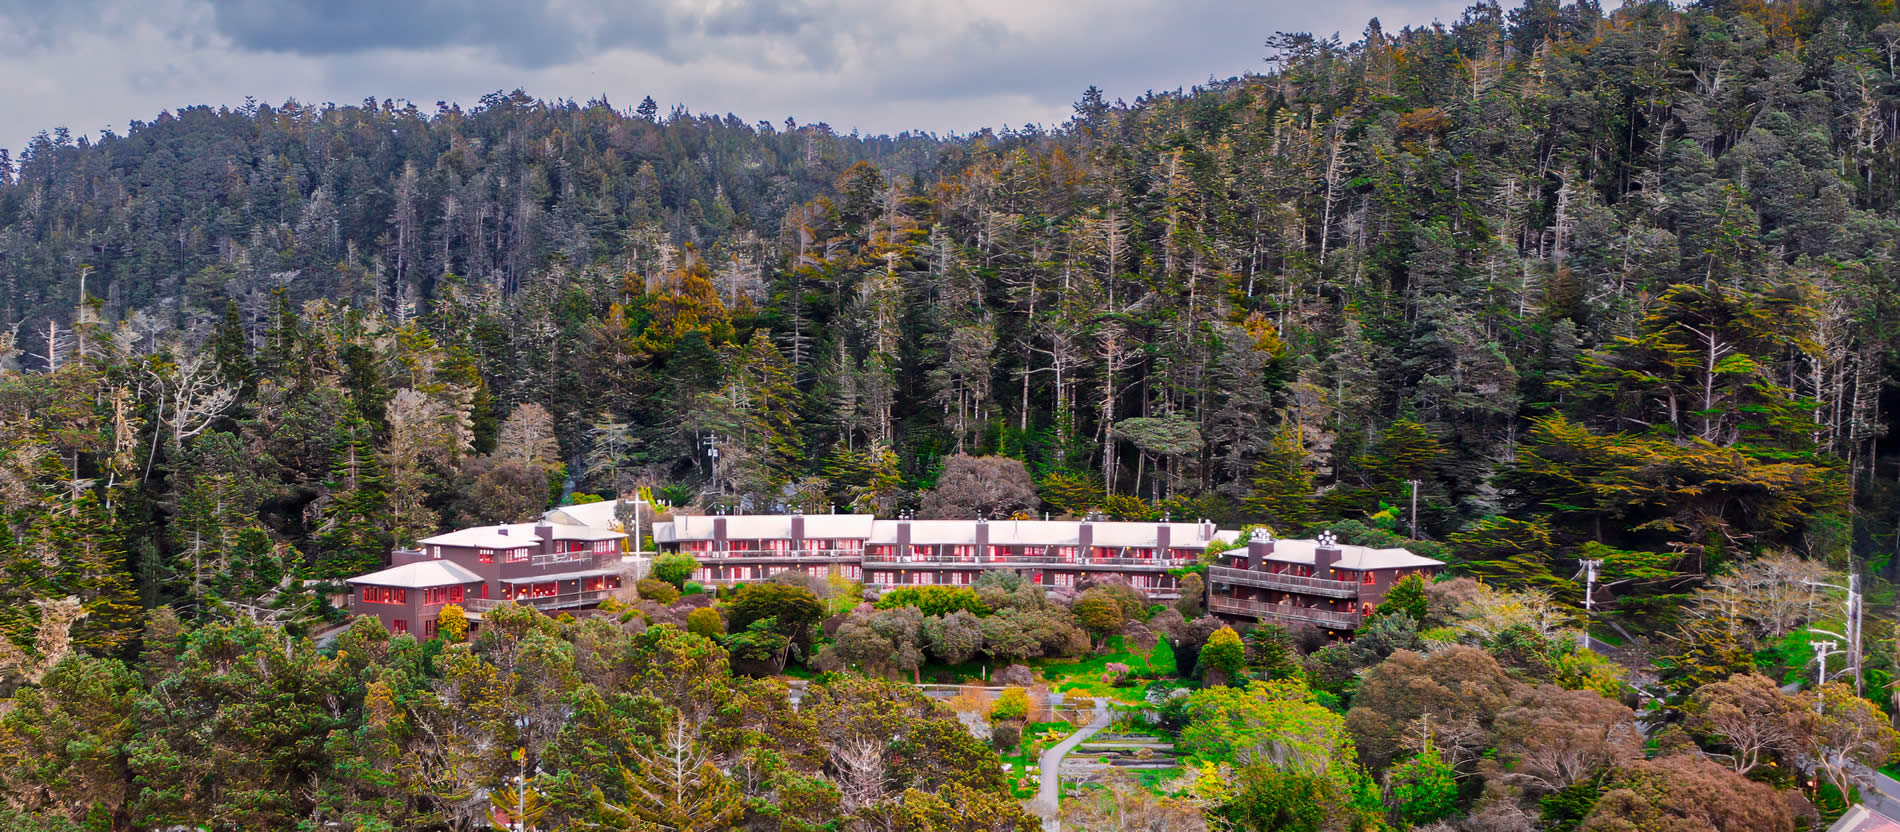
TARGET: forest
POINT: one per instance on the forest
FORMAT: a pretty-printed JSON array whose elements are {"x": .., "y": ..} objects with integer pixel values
[{"x": 1533, "y": 287}]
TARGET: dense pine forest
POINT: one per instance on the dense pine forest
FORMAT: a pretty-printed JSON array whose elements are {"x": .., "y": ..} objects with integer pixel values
[{"x": 1539, "y": 285}]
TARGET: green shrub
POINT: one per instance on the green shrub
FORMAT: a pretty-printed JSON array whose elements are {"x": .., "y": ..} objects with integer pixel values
[
  {"x": 934, "y": 600},
  {"x": 707, "y": 622},
  {"x": 675, "y": 569},
  {"x": 1012, "y": 705},
  {"x": 1006, "y": 735},
  {"x": 657, "y": 591}
]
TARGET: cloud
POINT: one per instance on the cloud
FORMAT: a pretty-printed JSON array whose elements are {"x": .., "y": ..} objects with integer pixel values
[
  {"x": 534, "y": 33},
  {"x": 879, "y": 65}
]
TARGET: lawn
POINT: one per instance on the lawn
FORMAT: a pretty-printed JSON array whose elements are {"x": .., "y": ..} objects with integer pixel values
[
  {"x": 1157, "y": 662},
  {"x": 1084, "y": 676},
  {"x": 1037, "y": 736},
  {"x": 1152, "y": 778}
]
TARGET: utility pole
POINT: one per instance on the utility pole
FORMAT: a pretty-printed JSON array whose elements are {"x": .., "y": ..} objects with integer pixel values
[
  {"x": 1589, "y": 597},
  {"x": 1822, "y": 649},
  {"x": 1852, "y": 625},
  {"x": 1415, "y": 509},
  {"x": 711, "y": 443}
]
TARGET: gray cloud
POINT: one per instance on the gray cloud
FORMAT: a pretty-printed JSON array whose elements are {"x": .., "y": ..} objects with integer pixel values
[
  {"x": 879, "y": 65},
  {"x": 533, "y": 33}
]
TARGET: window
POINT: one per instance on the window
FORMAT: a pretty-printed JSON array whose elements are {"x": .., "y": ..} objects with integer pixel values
[
  {"x": 400, "y": 625},
  {"x": 488, "y": 555},
  {"x": 442, "y": 595},
  {"x": 428, "y": 628},
  {"x": 517, "y": 555},
  {"x": 384, "y": 595},
  {"x": 435, "y": 551},
  {"x": 1366, "y": 579}
]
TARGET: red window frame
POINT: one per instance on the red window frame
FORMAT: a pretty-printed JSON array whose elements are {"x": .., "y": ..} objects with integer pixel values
[
  {"x": 383, "y": 595},
  {"x": 399, "y": 626}
]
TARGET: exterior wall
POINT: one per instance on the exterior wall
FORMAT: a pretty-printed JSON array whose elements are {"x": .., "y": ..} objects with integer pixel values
[
  {"x": 414, "y": 615},
  {"x": 1348, "y": 596},
  {"x": 904, "y": 562}
]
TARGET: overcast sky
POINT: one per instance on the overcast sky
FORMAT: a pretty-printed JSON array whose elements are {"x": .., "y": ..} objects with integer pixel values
[{"x": 880, "y": 66}]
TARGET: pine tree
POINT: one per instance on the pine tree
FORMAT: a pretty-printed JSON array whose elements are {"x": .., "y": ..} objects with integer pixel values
[
  {"x": 1282, "y": 486},
  {"x": 349, "y": 538}
]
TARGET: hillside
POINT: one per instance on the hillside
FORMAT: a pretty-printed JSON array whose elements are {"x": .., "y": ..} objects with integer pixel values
[{"x": 1577, "y": 283}]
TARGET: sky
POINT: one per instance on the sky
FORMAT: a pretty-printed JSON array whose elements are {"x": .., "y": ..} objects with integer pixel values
[{"x": 877, "y": 66}]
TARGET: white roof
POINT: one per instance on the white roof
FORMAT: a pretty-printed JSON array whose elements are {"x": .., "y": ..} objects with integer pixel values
[
  {"x": 939, "y": 532},
  {"x": 1351, "y": 557},
  {"x": 424, "y": 573},
  {"x": 839, "y": 526},
  {"x": 1136, "y": 535},
  {"x": 765, "y": 527},
  {"x": 600, "y": 515},
  {"x": 515, "y": 536},
  {"x": 559, "y": 576}
]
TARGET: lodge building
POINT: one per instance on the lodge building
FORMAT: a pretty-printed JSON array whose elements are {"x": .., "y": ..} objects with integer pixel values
[
  {"x": 573, "y": 559},
  {"x": 884, "y": 554},
  {"x": 546, "y": 565},
  {"x": 1321, "y": 583}
]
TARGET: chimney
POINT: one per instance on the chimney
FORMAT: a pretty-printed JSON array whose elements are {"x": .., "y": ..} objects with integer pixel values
[
  {"x": 1207, "y": 531},
  {"x": 798, "y": 531},
  {"x": 545, "y": 531},
  {"x": 1164, "y": 539},
  {"x": 1326, "y": 554},
  {"x": 982, "y": 539},
  {"x": 1085, "y": 538},
  {"x": 719, "y": 533},
  {"x": 1259, "y": 546}
]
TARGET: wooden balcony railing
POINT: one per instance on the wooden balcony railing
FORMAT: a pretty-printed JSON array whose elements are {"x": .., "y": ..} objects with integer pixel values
[
  {"x": 1023, "y": 560},
  {"x": 773, "y": 554},
  {"x": 1290, "y": 583},
  {"x": 1289, "y": 613},
  {"x": 543, "y": 602}
]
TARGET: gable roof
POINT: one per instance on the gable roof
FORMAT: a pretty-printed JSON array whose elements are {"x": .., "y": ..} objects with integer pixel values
[
  {"x": 1350, "y": 557},
  {"x": 424, "y": 573},
  {"x": 600, "y": 515},
  {"x": 1862, "y": 819},
  {"x": 515, "y": 536}
]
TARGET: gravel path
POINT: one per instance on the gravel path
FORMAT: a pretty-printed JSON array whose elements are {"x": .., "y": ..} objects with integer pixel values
[{"x": 1049, "y": 793}]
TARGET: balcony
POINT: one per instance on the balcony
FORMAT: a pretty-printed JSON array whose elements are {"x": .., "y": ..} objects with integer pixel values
[
  {"x": 1054, "y": 561},
  {"x": 543, "y": 602},
  {"x": 1287, "y": 583},
  {"x": 826, "y": 555},
  {"x": 1284, "y": 613},
  {"x": 562, "y": 558}
]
